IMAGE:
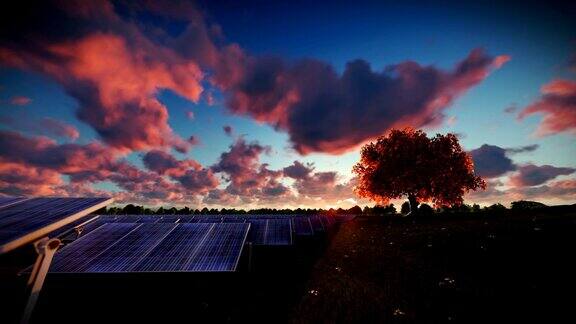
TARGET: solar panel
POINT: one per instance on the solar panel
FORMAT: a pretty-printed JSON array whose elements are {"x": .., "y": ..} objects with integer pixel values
[
  {"x": 188, "y": 219},
  {"x": 124, "y": 254},
  {"x": 302, "y": 226},
  {"x": 127, "y": 218},
  {"x": 221, "y": 249},
  {"x": 169, "y": 219},
  {"x": 199, "y": 247},
  {"x": 278, "y": 232},
  {"x": 316, "y": 223},
  {"x": 149, "y": 219},
  {"x": 208, "y": 219},
  {"x": 31, "y": 219},
  {"x": 234, "y": 219},
  {"x": 80, "y": 252},
  {"x": 9, "y": 201},
  {"x": 257, "y": 233}
]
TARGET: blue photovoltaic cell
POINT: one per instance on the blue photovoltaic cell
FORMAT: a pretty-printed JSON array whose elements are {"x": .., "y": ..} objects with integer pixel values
[
  {"x": 10, "y": 201},
  {"x": 169, "y": 219},
  {"x": 175, "y": 251},
  {"x": 278, "y": 232},
  {"x": 208, "y": 219},
  {"x": 257, "y": 233},
  {"x": 188, "y": 219},
  {"x": 32, "y": 217},
  {"x": 233, "y": 219},
  {"x": 302, "y": 226},
  {"x": 326, "y": 221},
  {"x": 80, "y": 252},
  {"x": 316, "y": 223},
  {"x": 221, "y": 249},
  {"x": 149, "y": 219},
  {"x": 124, "y": 254},
  {"x": 127, "y": 218}
]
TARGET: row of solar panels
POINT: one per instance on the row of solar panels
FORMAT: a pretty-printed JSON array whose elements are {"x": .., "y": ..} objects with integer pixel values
[
  {"x": 145, "y": 247},
  {"x": 265, "y": 229},
  {"x": 23, "y": 220},
  {"x": 144, "y": 243}
]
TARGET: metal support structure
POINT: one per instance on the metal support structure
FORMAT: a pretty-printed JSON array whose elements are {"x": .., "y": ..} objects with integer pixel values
[
  {"x": 45, "y": 248},
  {"x": 249, "y": 256}
]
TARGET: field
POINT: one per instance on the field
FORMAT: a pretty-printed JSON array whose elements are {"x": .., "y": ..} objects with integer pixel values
[
  {"x": 515, "y": 267},
  {"x": 477, "y": 267}
]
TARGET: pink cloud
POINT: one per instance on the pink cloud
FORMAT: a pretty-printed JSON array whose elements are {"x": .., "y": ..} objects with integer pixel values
[
  {"x": 113, "y": 70},
  {"x": 533, "y": 175},
  {"x": 319, "y": 108},
  {"x": 59, "y": 128},
  {"x": 228, "y": 130},
  {"x": 557, "y": 104},
  {"x": 20, "y": 101}
]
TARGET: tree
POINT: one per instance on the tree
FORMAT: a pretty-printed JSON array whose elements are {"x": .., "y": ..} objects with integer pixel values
[
  {"x": 527, "y": 204},
  {"x": 408, "y": 163},
  {"x": 405, "y": 208},
  {"x": 356, "y": 210},
  {"x": 425, "y": 209}
]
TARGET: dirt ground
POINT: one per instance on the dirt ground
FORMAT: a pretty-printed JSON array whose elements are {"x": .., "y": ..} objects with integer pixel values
[{"x": 515, "y": 267}]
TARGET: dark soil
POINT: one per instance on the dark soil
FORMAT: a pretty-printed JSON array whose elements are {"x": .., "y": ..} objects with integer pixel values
[{"x": 514, "y": 267}]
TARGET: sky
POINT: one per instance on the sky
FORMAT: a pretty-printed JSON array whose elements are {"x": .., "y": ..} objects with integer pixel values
[{"x": 267, "y": 103}]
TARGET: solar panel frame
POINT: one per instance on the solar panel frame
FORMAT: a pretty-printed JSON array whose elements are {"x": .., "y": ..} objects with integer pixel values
[
  {"x": 10, "y": 201},
  {"x": 278, "y": 232},
  {"x": 169, "y": 219},
  {"x": 216, "y": 246},
  {"x": 16, "y": 231},
  {"x": 258, "y": 228},
  {"x": 316, "y": 223},
  {"x": 302, "y": 226}
]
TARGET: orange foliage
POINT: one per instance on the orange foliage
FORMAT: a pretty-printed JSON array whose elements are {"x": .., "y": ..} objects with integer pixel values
[{"x": 408, "y": 163}]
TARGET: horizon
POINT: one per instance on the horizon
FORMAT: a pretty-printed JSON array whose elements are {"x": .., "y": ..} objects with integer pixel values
[{"x": 252, "y": 105}]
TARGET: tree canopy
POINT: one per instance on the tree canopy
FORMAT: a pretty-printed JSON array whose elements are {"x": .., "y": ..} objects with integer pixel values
[{"x": 406, "y": 163}]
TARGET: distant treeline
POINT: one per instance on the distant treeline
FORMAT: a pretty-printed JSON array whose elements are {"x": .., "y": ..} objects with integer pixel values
[{"x": 131, "y": 209}]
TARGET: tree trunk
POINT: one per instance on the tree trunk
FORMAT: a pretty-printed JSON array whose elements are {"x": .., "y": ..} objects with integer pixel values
[{"x": 413, "y": 205}]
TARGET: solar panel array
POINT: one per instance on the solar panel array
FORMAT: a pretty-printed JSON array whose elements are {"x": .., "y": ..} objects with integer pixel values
[
  {"x": 265, "y": 230},
  {"x": 145, "y": 247},
  {"x": 25, "y": 220}
]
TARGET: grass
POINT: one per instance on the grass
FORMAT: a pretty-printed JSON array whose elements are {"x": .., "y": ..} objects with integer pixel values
[{"x": 471, "y": 268}]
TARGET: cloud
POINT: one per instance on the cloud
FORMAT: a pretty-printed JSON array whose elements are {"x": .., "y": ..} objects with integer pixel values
[
  {"x": 43, "y": 126},
  {"x": 108, "y": 65},
  {"x": 490, "y": 161},
  {"x": 321, "y": 109},
  {"x": 188, "y": 173},
  {"x": 572, "y": 63},
  {"x": 190, "y": 114},
  {"x": 248, "y": 177},
  {"x": 511, "y": 109},
  {"x": 533, "y": 175},
  {"x": 228, "y": 130},
  {"x": 193, "y": 140},
  {"x": 298, "y": 170},
  {"x": 20, "y": 101},
  {"x": 81, "y": 162},
  {"x": 59, "y": 128},
  {"x": 522, "y": 149},
  {"x": 21, "y": 180},
  {"x": 556, "y": 192},
  {"x": 557, "y": 104}
]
